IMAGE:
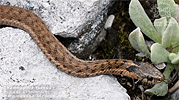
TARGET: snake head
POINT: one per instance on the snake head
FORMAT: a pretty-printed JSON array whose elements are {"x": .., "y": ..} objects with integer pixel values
[{"x": 147, "y": 73}]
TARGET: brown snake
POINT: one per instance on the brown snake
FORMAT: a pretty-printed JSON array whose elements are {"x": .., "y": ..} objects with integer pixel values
[{"x": 58, "y": 54}]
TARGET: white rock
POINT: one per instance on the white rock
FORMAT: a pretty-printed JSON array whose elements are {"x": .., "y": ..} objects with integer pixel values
[
  {"x": 80, "y": 19},
  {"x": 109, "y": 22},
  {"x": 26, "y": 74},
  {"x": 64, "y": 17}
]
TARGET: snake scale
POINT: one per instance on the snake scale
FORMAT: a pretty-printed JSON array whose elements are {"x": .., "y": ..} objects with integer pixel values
[{"x": 64, "y": 60}]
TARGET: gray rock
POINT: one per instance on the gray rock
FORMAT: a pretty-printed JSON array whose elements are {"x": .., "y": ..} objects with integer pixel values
[
  {"x": 175, "y": 95},
  {"x": 26, "y": 74},
  {"x": 81, "y": 19}
]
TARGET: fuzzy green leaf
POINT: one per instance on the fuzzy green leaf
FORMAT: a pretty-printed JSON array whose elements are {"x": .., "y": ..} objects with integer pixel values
[
  {"x": 169, "y": 68},
  {"x": 159, "y": 54},
  {"x": 170, "y": 37},
  {"x": 176, "y": 49},
  {"x": 160, "y": 25},
  {"x": 174, "y": 58},
  {"x": 140, "y": 19},
  {"x": 167, "y": 8},
  {"x": 137, "y": 41},
  {"x": 159, "y": 89}
]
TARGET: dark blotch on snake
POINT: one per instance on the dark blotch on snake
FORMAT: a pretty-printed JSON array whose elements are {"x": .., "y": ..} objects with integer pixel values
[
  {"x": 79, "y": 71},
  {"x": 132, "y": 69}
]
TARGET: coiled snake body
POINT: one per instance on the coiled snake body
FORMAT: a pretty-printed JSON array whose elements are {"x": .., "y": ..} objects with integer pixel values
[{"x": 66, "y": 61}]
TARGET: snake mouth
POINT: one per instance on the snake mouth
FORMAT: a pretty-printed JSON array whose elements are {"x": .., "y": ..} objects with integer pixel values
[{"x": 152, "y": 81}]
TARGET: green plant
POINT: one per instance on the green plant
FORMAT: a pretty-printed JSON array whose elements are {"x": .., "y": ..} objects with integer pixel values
[{"x": 164, "y": 32}]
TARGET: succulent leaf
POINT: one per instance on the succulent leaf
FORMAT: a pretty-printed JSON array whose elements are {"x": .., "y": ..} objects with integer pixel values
[
  {"x": 174, "y": 58},
  {"x": 169, "y": 68},
  {"x": 137, "y": 41},
  {"x": 159, "y": 54},
  {"x": 170, "y": 37},
  {"x": 176, "y": 49},
  {"x": 160, "y": 25},
  {"x": 140, "y": 19},
  {"x": 167, "y": 8},
  {"x": 159, "y": 89},
  {"x": 165, "y": 33}
]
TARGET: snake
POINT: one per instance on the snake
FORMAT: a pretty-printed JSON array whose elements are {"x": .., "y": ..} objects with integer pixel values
[{"x": 64, "y": 60}]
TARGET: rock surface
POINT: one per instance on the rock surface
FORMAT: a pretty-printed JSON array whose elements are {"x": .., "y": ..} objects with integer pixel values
[
  {"x": 175, "y": 95},
  {"x": 26, "y": 74},
  {"x": 80, "y": 19}
]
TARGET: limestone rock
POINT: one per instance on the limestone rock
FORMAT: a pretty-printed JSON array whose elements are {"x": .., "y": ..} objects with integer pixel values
[
  {"x": 26, "y": 74},
  {"x": 80, "y": 19}
]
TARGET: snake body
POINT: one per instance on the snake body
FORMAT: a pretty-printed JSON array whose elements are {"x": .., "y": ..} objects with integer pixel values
[{"x": 58, "y": 54}]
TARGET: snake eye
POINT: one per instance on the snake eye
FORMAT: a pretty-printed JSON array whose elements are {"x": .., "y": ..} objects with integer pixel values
[{"x": 149, "y": 78}]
